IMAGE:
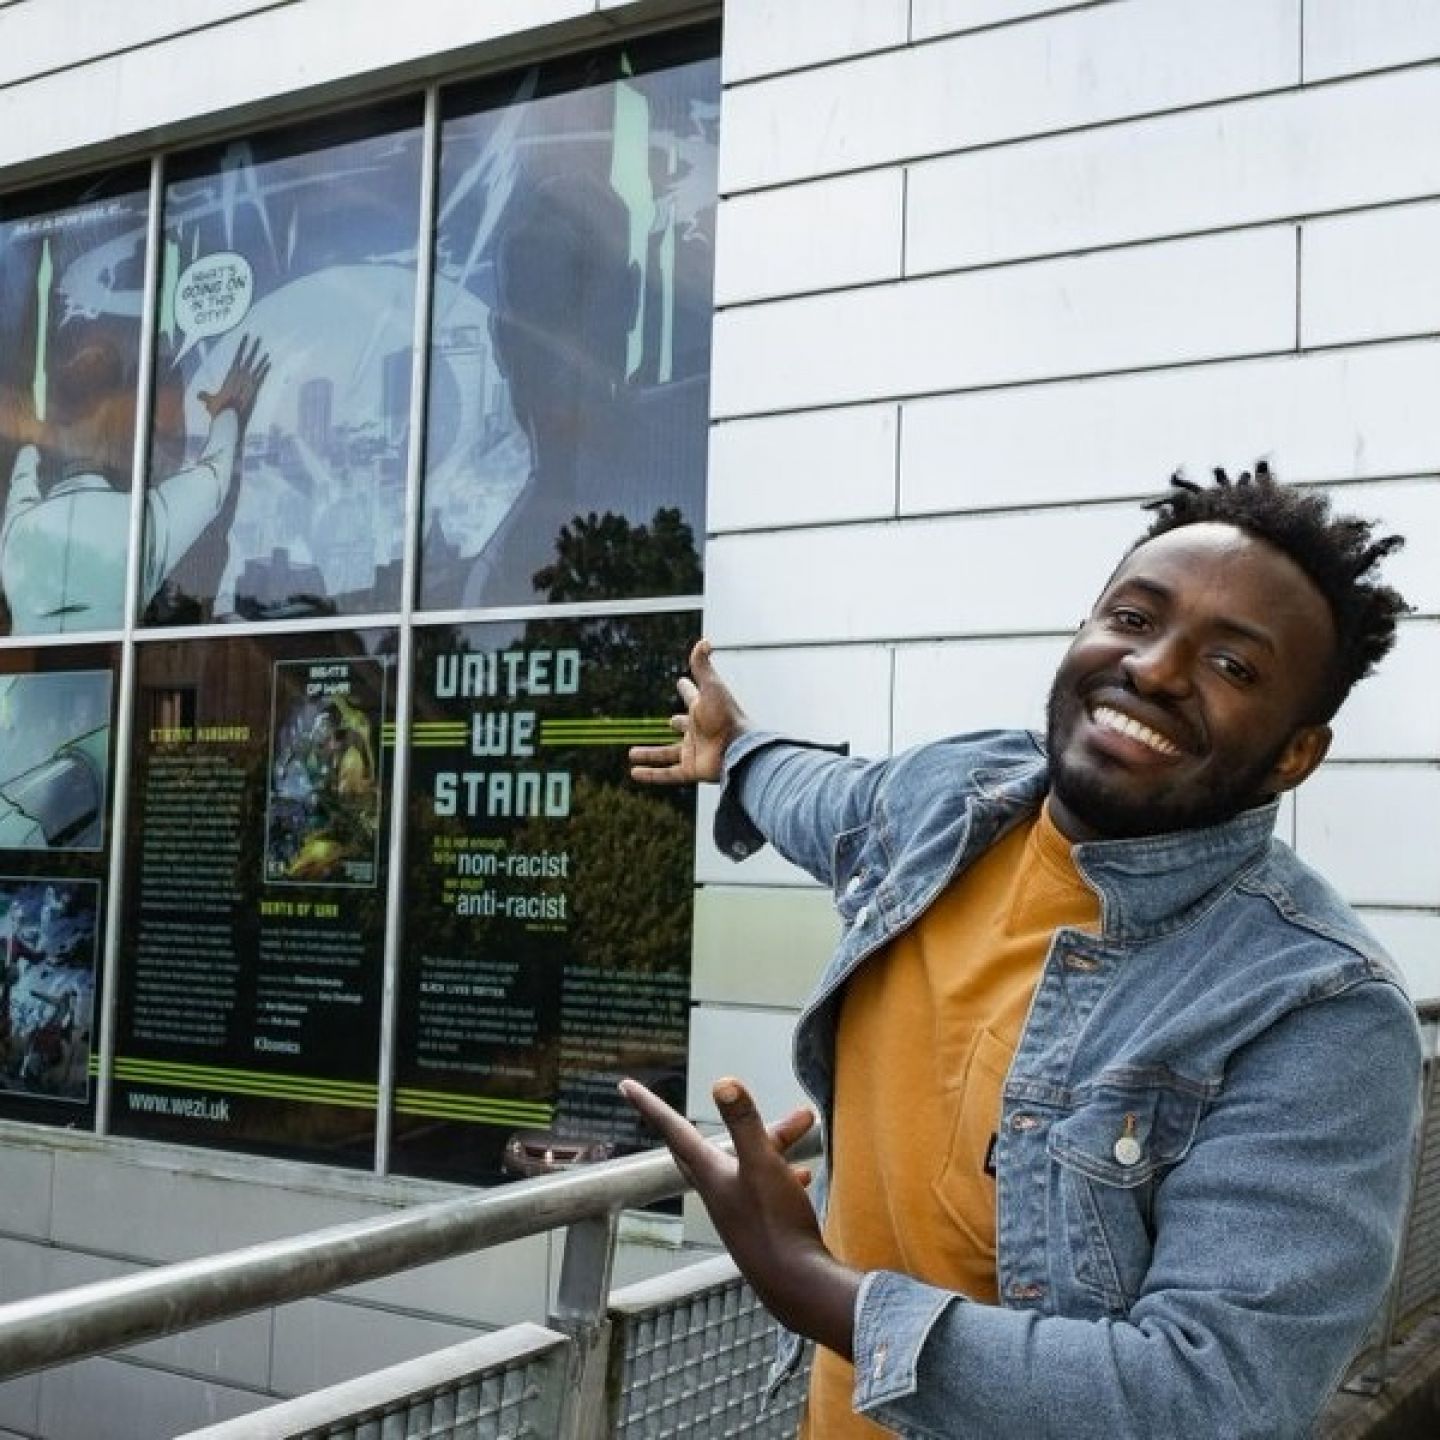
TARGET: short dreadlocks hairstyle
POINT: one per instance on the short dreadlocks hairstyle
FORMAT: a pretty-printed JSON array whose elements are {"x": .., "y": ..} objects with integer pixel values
[{"x": 1338, "y": 552}]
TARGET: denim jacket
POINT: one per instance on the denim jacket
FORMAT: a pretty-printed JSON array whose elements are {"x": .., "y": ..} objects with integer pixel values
[{"x": 1232, "y": 1023}]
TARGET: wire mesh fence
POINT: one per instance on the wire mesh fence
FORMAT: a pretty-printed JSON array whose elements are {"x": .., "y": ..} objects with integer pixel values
[
  {"x": 507, "y": 1386},
  {"x": 690, "y": 1356}
]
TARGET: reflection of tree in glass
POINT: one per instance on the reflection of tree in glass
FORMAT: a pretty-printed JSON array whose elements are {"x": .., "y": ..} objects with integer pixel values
[
  {"x": 606, "y": 558},
  {"x": 631, "y": 852},
  {"x": 630, "y": 878},
  {"x": 628, "y": 662}
]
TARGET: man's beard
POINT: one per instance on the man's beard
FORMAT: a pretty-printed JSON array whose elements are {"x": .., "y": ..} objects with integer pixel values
[{"x": 1113, "y": 815}]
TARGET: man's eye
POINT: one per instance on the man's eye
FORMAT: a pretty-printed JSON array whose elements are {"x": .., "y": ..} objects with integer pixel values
[
  {"x": 1125, "y": 618},
  {"x": 1234, "y": 669}
]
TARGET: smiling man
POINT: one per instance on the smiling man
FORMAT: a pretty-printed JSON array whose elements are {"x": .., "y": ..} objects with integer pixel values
[{"x": 1117, "y": 1095}]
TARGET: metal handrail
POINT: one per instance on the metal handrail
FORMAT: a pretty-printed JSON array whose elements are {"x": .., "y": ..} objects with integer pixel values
[
  {"x": 90, "y": 1319},
  {"x": 49, "y": 1330}
]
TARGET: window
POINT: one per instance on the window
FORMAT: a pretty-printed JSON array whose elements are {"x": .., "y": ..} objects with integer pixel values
[{"x": 415, "y": 555}]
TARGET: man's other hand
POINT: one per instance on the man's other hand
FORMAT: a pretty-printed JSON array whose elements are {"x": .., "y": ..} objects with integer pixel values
[
  {"x": 758, "y": 1204},
  {"x": 711, "y": 720}
]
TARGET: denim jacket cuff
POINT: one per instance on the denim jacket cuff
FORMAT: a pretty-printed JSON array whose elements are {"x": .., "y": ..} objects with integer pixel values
[
  {"x": 736, "y": 834},
  {"x": 894, "y": 1316}
]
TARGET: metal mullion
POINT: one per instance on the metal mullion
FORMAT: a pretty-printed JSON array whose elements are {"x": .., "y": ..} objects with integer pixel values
[
  {"x": 125, "y": 701},
  {"x": 409, "y": 578}
]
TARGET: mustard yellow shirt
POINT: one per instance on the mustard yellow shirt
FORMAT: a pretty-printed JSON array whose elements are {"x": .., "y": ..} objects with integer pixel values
[{"x": 927, "y": 1031}]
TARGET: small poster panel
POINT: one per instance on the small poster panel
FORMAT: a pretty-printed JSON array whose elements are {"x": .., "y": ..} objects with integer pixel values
[
  {"x": 323, "y": 825},
  {"x": 56, "y": 754},
  {"x": 49, "y": 944},
  {"x": 54, "y": 759}
]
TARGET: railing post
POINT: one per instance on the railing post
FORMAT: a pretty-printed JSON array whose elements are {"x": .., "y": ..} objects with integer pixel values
[
  {"x": 1373, "y": 1378},
  {"x": 580, "y": 1313}
]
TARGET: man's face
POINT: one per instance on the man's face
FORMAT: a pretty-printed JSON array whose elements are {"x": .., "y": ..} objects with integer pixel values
[{"x": 1184, "y": 698}]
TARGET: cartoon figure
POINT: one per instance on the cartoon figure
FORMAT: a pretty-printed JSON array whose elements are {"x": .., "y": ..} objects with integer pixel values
[
  {"x": 63, "y": 538},
  {"x": 333, "y": 765}
]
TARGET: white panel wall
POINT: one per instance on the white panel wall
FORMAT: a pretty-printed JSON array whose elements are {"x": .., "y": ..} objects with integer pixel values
[
  {"x": 95, "y": 77},
  {"x": 42, "y": 36},
  {"x": 1297, "y": 152},
  {"x": 1343, "y": 37},
  {"x": 1097, "y": 64},
  {"x": 767, "y": 36},
  {"x": 1176, "y": 302},
  {"x": 930, "y": 18}
]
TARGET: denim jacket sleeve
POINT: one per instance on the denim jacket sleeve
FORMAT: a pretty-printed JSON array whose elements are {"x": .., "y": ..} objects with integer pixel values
[
  {"x": 797, "y": 795},
  {"x": 1275, "y": 1238}
]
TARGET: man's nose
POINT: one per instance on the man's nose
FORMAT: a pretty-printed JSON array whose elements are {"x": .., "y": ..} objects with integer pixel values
[{"x": 1161, "y": 667}]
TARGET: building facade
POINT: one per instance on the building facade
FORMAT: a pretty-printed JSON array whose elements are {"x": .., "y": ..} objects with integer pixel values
[{"x": 387, "y": 398}]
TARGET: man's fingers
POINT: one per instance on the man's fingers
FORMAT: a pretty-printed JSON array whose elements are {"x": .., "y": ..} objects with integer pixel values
[
  {"x": 655, "y": 764},
  {"x": 701, "y": 666},
  {"x": 685, "y": 1142},
  {"x": 787, "y": 1131},
  {"x": 741, "y": 1118}
]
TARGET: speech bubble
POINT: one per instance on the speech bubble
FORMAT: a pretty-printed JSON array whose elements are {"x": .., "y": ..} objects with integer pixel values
[{"x": 212, "y": 296}]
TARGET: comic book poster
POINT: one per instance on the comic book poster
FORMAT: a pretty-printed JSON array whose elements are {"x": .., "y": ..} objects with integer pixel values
[
  {"x": 72, "y": 267},
  {"x": 323, "y": 820},
  {"x": 49, "y": 943},
  {"x": 54, "y": 759},
  {"x": 570, "y": 326},
  {"x": 252, "y": 929},
  {"x": 283, "y": 373}
]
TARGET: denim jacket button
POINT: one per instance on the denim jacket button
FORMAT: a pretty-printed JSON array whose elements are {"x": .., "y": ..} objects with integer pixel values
[
  {"x": 1024, "y": 1122},
  {"x": 1083, "y": 963},
  {"x": 861, "y": 915},
  {"x": 1021, "y": 1291},
  {"x": 852, "y": 884},
  {"x": 877, "y": 1364},
  {"x": 1127, "y": 1150}
]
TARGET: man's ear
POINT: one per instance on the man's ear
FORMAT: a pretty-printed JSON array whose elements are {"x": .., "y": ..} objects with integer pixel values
[{"x": 1303, "y": 752}]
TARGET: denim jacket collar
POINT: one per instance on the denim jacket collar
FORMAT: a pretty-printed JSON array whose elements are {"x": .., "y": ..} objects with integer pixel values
[
  {"x": 1152, "y": 884},
  {"x": 1155, "y": 884}
]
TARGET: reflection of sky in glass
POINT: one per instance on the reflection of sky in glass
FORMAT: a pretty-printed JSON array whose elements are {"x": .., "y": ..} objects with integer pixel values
[{"x": 570, "y": 349}]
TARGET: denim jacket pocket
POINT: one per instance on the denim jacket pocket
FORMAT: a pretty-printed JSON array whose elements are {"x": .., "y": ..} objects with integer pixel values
[{"x": 1110, "y": 1154}]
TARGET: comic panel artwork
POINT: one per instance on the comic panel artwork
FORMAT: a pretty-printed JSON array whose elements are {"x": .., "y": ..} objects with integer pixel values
[
  {"x": 72, "y": 266},
  {"x": 323, "y": 823},
  {"x": 54, "y": 759},
  {"x": 283, "y": 375},
  {"x": 49, "y": 940},
  {"x": 570, "y": 326}
]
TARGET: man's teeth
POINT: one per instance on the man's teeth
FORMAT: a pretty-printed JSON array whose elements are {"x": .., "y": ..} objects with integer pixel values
[{"x": 1110, "y": 719}]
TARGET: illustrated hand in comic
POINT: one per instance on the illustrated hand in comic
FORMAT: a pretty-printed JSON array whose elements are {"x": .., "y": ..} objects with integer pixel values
[
  {"x": 242, "y": 382},
  {"x": 759, "y": 1206}
]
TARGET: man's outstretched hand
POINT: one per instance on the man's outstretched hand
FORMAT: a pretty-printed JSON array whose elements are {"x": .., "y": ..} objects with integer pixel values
[
  {"x": 711, "y": 720},
  {"x": 759, "y": 1206}
]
